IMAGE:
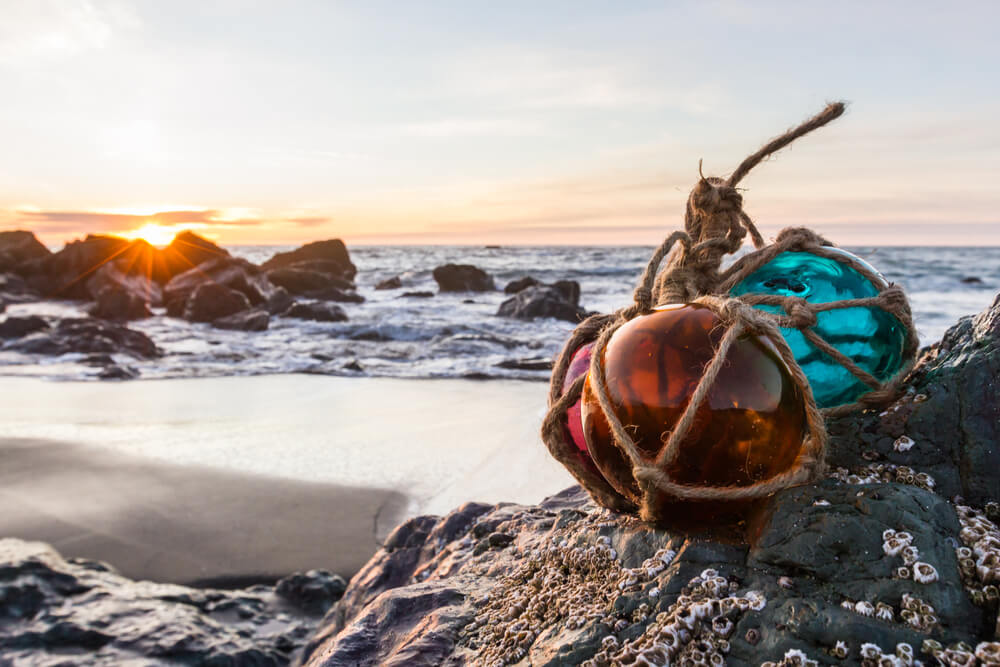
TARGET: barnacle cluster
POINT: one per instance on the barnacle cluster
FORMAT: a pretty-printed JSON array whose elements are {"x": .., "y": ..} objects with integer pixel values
[
  {"x": 793, "y": 658},
  {"x": 979, "y": 557},
  {"x": 914, "y": 612},
  {"x": 875, "y": 473},
  {"x": 552, "y": 583},
  {"x": 962, "y": 654},
  {"x": 900, "y": 543},
  {"x": 695, "y": 630},
  {"x": 873, "y": 656}
]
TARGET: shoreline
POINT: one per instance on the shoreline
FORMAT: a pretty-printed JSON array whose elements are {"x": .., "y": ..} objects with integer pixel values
[
  {"x": 186, "y": 524},
  {"x": 257, "y": 476}
]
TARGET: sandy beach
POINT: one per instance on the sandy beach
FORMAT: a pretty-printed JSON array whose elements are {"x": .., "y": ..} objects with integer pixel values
[{"x": 239, "y": 479}]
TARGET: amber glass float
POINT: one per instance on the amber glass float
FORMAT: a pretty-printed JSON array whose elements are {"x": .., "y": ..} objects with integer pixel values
[{"x": 749, "y": 428}]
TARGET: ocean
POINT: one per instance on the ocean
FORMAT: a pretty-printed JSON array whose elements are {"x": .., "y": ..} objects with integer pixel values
[{"x": 459, "y": 335}]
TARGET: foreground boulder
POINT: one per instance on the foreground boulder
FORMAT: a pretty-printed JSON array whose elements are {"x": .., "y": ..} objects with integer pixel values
[
  {"x": 877, "y": 563},
  {"x": 80, "y": 612},
  {"x": 463, "y": 278},
  {"x": 86, "y": 336},
  {"x": 561, "y": 301},
  {"x": 18, "y": 247}
]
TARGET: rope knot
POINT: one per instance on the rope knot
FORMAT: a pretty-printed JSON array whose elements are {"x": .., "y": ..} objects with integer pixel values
[
  {"x": 643, "y": 297},
  {"x": 712, "y": 195},
  {"x": 800, "y": 314}
]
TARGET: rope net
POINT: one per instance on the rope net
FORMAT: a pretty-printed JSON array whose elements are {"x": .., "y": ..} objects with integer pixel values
[{"x": 716, "y": 226}]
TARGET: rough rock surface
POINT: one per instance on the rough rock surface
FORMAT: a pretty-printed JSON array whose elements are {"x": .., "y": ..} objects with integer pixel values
[
  {"x": 876, "y": 559},
  {"x": 560, "y": 300},
  {"x": 86, "y": 336},
  {"x": 463, "y": 278},
  {"x": 56, "y": 611}
]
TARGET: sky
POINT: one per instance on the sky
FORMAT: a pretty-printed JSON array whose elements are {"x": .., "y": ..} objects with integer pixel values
[{"x": 485, "y": 122}]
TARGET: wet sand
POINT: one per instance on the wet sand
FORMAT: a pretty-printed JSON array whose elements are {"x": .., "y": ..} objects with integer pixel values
[
  {"x": 247, "y": 478},
  {"x": 185, "y": 524}
]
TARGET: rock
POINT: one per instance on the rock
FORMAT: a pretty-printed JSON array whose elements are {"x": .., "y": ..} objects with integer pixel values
[
  {"x": 313, "y": 592},
  {"x": 463, "y": 278},
  {"x": 320, "y": 312},
  {"x": 544, "y": 301},
  {"x": 335, "y": 294},
  {"x": 515, "y": 286},
  {"x": 868, "y": 555},
  {"x": 279, "y": 301},
  {"x": 187, "y": 251},
  {"x": 417, "y": 295},
  {"x": 952, "y": 413},
  {"x": 972, "y": 280},
  {"x": 67, "y": 273},
  {"x": 16, "y": 327},
  {"x": 211, "y": 301},
  {"x": 390, "y": 283},
  {"x": 56, "y": 611},
  {"x": 333, "y": 251},
  {"x": 118, "y": 304},
  {"x": 116, "y": 372},
  {"x": 526, "y": 364},
  {"x": 86, "y": 336},
  {"x": 300, "y": 281},
  {"x": 112, "y": 275},
  {"x": 17, "y": 247},
  {"x": 236, "y": 274},
  {"x": 247, "y": 320},
  {"x": 14, "y": 289}
]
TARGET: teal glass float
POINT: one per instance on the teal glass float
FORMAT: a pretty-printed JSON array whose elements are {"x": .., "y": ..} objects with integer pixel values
[{"x": 871, "y": 337}]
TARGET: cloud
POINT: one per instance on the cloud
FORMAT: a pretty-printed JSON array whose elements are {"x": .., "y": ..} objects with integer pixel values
[{"x": 52, "y": 29}]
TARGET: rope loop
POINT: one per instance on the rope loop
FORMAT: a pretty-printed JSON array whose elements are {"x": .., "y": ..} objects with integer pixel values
[{"x": 800, "y": 313}]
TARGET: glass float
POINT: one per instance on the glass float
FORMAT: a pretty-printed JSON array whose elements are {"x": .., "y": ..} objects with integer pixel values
[
  {"x": 749, "y": 428},
  {"x": 871, "y": 337},
  {"x": 578, "y": 365}
]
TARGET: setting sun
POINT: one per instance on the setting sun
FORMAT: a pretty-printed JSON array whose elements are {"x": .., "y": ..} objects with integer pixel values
[{"x": 157, "y": 235}]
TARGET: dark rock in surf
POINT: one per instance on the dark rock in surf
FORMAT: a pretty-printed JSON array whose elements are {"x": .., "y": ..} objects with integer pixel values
[
  {"x": 463, "y": 278},
  {"x": 119, "y": 304},
  {"x": 86, "y": 336},
  {"x": 389, "y": 283},
  {"x": 332, "y": 253},
  {"x": 16, "y": 327},
  {"x": 319, "y": 312},
  {"x": 515, "y": 286},
  {"x": 247, "y": 320},
  {"x": 560, "y": 301}
]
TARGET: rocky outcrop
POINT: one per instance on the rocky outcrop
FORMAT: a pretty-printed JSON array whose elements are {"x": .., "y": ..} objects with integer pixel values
[
  {"x": 560, "y": 300},
  {"x": 235, "y": 274},
  {"x": 302, "y": 281},
  {"x": 187, "y": 251},
  {"x": 18, "y": 247},
  {"x": 328, "y": 256},
  {"x": 879, "y": 560},
  {"x": 73, "y": 611},
  {"x": 319, "y": 312},
  {"x": 463, "y": 278},
  {"x": 86, "y": 336}
]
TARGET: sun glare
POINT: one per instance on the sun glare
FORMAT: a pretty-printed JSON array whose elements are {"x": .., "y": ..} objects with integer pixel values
[{"x": 155, "y": 234}]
